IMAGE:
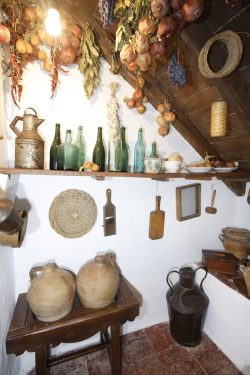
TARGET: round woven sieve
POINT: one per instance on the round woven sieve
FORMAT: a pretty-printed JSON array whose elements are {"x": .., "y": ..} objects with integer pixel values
[{"x": 73, "y": 213}]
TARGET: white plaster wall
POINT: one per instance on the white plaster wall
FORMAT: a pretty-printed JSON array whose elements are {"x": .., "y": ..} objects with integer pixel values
[
  {"x": 8, "y": 364},
  {"x": 227, "y": 322},
  {"x": 143, "y": 261}
]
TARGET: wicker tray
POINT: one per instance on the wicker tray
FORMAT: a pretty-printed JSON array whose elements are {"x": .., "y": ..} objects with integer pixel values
[{"x": 73, "y": 213}]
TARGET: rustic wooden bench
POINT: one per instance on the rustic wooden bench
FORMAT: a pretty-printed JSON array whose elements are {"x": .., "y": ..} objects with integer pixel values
[{"x": 28, "y": 333}]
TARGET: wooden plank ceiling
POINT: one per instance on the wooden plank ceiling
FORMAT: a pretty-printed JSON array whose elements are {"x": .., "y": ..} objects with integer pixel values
[{"x": 192, "y": 102}]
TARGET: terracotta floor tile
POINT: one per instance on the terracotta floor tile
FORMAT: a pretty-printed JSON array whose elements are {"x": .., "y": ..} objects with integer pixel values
[
  {"x": 135, "y": 347},
  {"x": 75, "y": 367},
  {"x": 177, "y": 360},
  {"x": 153, "y": 351},
  {"x": 98, "y": 363},
  {"x": 148, "y": 366},
  {"x": 209, "y": 356},
  {"x": 230, "y": 370},
  {"x": 159, "y": 336}
]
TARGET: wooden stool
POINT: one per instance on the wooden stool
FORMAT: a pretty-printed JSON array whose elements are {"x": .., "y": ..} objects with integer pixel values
[{"x": 28, "y": 333}]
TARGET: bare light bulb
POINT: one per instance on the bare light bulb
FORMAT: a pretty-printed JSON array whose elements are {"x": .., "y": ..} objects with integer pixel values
[{"x": 52, "y": 22}]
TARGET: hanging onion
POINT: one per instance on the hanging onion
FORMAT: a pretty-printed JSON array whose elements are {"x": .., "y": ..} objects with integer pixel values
[
  {"x": 127, "y": 54},
  {"x": 147, "y": 25},
  {"x": 160, "y": 8},
  {"x": 193, "y": 9},
  {"x": 4, "y": 34},
  {"x": 167, "y": 27}
]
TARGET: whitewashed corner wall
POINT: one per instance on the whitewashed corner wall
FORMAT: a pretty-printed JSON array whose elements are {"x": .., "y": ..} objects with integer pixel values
[
  {"x": 143, "y": 261},
  {"x": 8, "y": 364}
]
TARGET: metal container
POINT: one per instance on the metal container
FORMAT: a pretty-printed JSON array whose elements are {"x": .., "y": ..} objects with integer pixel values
[
  {"x": 29, "y": 146},
  {"x": 187, "y": 305},
  {"x": 10, "y": 220}
]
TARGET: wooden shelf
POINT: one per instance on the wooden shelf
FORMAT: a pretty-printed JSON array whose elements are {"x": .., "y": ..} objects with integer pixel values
[
  {"x": 236, "y": 181},
  {"x": 240, "y": 175}
]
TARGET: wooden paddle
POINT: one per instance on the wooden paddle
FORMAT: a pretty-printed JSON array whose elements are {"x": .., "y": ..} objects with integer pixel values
[
  {"x": 156, "y": 222},
  {"x": 109, "y": 216}
]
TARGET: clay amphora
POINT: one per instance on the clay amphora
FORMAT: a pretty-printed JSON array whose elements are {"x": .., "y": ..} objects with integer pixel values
[
  {"x": 97, "y": 282},
  {"x": 29, "y": 146},
  {"x": 51, "y": 293},
  {"x": 187, "y": 305}
]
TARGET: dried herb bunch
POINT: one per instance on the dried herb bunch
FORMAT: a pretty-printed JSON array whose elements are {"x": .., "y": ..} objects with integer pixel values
[
  {"x": 29, "y": 42},
  {"x": 89, "y": 63}
]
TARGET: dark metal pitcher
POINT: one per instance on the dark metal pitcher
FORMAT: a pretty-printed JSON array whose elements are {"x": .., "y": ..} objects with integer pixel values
[{"x": 187, "y": 305}]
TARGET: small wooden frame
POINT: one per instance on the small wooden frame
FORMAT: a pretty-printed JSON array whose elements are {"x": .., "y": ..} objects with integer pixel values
[{"x": 188, "y": 201}]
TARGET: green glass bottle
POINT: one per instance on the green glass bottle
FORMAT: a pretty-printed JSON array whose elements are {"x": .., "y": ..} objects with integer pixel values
[
  {"x": 153, "y": 152},
  {"x": 67, "y": 154},
  {"x": 139, "y": 154},
  {"x": 81, "y": 147},
  {"x": 54, "y": 146},
  {"x": 124, "y": 166},
  {"x": 99, "y": 151}
]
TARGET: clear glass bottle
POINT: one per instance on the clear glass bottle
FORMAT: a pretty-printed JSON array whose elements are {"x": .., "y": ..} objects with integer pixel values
[
  {"x": 115, "y": 154},
  {"x": 81, "y": 147},
  {"x": 153, "y": 152},
  {"x": 54, "y": 147},
  {"x": 124, "y": 166},
  {"x": 139, "y": 154},
  {"x": 67, "y": 154},
  {"x": 99, "y": 151}
]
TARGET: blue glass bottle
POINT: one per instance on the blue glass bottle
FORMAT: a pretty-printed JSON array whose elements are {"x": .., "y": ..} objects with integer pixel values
[{"x": 139, "y": 154}]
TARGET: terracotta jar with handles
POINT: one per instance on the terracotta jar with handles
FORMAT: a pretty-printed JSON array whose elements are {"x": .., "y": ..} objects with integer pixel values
[
  {"x": 97, "y": 282},
  {"x": 51, "y": 293}
]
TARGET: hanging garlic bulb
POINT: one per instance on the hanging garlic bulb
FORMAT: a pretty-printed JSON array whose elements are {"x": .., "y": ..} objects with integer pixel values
[{"x": 113, "y": 118}]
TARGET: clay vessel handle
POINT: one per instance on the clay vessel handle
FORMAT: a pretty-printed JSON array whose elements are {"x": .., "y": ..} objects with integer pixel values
[
  {"x": 34, "y": 270},
  {"x": 221, "y": 237}
]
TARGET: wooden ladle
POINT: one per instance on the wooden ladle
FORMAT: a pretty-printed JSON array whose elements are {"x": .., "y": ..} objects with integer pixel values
[{"x": 212, "y": 209}]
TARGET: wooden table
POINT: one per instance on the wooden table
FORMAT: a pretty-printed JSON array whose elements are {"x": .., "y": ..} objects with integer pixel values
[{"x": 28, "y": 333}]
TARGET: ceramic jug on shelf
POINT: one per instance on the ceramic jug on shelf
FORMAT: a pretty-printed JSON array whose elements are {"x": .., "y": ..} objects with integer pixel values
[{"x": 29, "y": 146}]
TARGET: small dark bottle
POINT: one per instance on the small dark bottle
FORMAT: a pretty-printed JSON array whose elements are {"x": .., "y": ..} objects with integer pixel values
[
  {"x": 124, "y": 166},
  {"x": 99, "y": 151},
  {"x": 54, "y": 146}
]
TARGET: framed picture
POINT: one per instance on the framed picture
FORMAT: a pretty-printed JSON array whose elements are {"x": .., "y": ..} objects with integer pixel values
[{"x": 188, "y": 201}]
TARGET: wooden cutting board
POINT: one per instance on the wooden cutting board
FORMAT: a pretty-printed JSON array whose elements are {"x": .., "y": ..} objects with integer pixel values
[
  {"x": 156, "y": 221},
  {"x": 109, "y": 216}
]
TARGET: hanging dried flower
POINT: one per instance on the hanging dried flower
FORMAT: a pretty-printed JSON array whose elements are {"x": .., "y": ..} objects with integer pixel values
[
  {"x": 176, "y": 71},
  {"x": 106, "y": 10}
]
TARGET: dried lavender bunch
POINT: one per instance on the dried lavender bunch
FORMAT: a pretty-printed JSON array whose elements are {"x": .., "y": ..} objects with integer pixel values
[
  {"x": 176, "y": 71},
  {"x": 106, "y": 10}
]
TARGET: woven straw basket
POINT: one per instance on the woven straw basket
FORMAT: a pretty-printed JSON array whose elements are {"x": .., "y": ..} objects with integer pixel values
[
  {"x": 73, "y": 213},
  {"x": 218, "y": 119},
  {"x": 234, "y": 47}
]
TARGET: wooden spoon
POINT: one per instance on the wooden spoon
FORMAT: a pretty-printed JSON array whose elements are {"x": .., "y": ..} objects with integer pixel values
[{"x": 212, "y": 209}]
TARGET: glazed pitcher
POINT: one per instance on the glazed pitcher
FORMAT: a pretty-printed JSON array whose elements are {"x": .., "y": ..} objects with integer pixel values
[
  {"x": 187, "y": 305},
  {"x": 29, "y": 146}
]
